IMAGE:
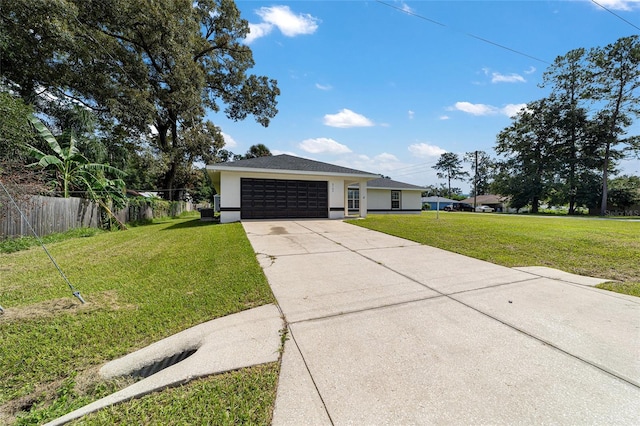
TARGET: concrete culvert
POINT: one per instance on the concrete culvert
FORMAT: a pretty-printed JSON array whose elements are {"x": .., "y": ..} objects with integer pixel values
[
  {"x": 152, "y": 369},
  {"x": 247, "y": 338}
]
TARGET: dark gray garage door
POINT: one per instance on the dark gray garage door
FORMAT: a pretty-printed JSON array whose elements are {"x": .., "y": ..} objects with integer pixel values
[{"x": 282, "y": 199}]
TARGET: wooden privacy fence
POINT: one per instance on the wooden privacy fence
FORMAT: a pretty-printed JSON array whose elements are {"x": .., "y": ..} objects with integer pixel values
[{"x": 48, "y": 215}]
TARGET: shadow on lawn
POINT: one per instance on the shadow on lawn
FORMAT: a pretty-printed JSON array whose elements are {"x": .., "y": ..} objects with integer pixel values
[{"x": 195, "y": 223}]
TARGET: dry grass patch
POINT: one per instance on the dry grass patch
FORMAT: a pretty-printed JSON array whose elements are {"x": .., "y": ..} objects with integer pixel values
[{"x": 50, "y": 308}]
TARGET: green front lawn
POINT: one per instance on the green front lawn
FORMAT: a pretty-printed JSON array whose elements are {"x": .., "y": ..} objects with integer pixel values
[
  {"x": 141, "y": 285},
  {"x": 586, "y": 246}
]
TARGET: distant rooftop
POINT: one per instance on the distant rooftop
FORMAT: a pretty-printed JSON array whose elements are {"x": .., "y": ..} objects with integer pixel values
[{"x": 435, "y": 199}]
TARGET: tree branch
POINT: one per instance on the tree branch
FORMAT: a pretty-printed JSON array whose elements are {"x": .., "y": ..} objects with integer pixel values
[{"x": 80, "y": 100}]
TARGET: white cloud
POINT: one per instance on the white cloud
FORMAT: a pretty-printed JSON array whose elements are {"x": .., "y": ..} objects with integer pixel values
[
  {"x": 626, "y": 5},
  {"x": 323, "y": 146},
  {"x": 411, "y": 115},
  {"x": 278, "y": 152},
  {"x": 229, "y": 142},
  {"x": 385, "y": 156},
  {"x": 531, "y": 70},
  {"x": 496, "y": 77},
  {"x": 347, "y": 118},
  {"x": 382, "y": 163},
  {"x": 424, "y": 150},
  {"x": 285, "y": 20},
  {"x": 444, "y": 117},
  {"x": 474, "y": 109},
  {"x": 405, "y": 7},
  {"x": 257, "y": 30},
  {"x": 511, "y": 110},
  {"x": 323, "y": 86}
]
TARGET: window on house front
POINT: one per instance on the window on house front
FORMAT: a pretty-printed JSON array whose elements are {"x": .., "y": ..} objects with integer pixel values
[
  {"x": 395, "y": 199},
  {"x": 353, "y": 199}
]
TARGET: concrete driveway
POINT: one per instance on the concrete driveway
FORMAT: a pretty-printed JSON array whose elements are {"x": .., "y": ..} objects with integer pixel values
[{"x": 386, "y": 331}]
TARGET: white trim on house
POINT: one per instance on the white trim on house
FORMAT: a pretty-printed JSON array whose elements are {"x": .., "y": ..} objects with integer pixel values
[
  {"x": 379, "y": 192},
  {"x": 220, "y": 167},
  {"x": 227, "y": 180}
]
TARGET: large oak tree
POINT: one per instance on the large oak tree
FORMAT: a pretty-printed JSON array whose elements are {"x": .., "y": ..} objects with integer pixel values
[{"x": 144, "y": 64}]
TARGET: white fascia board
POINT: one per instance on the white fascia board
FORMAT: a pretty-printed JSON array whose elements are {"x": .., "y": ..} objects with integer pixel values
[
  {"x": 396, "y": 189},
  {"x": 214, "y": 168}
]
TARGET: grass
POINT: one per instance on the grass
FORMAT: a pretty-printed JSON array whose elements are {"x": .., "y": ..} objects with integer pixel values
[
  {"x": 238, "y": 397},
  {"x": 141, "y": 285},
  {"x": 607, "y": 249},
  {"x": 17, "y": 244}
]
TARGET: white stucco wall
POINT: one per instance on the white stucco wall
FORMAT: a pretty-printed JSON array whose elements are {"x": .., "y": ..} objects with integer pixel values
[
  {"x": 336, "y": 198},
  {"x": 230, "y": 191},
  {"x": 380, "y": 201},
  {"x": 412, "y": 200}
]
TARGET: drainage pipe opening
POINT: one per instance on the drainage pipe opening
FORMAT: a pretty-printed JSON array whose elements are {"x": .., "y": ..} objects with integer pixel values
[{"x": 151, "y": 369}]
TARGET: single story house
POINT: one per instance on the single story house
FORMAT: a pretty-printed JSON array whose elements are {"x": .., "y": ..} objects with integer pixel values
[
  {"x": 436, "y": 203},
  {"x": 286, "y": 187}
]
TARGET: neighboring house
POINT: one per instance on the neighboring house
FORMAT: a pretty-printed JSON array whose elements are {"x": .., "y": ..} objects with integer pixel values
[
  {"x": 389, "y": 196},
  {"x": 288, "y": 187},
  {"x": 436, "y": 203},
  {"x": 497, "y": 202}
]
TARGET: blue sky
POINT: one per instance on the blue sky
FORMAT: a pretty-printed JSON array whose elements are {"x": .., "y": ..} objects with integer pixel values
[{"x": 368, "y": 86}]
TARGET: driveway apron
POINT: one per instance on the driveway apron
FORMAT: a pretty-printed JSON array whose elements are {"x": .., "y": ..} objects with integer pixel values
[{"x": 383, "y": 330}]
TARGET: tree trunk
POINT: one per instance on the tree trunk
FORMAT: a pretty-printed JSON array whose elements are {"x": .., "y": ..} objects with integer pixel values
[
  {"x": 168, "y": 181},
  {"x": 607, "y": 153},
  {"x": 170, "y": 176},
  {"x": 605, "y": 177},
  {"x": 572, "y": 182},
  {"x": 572, "y": 166}
]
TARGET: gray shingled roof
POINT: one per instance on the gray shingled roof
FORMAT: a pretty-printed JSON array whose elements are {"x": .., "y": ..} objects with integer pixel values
[
  {"x": 391, "y": 184},
  {"x": 288, "y": 162}
]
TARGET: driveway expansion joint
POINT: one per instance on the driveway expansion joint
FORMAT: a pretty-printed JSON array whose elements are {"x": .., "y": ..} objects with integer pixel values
[
  {"x": 486, "y": 336},
  {"x": 512, "y": 326},
  {"x": 368, "y": 309}
]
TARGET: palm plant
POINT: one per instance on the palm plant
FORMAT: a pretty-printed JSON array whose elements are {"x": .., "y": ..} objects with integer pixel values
[{"x": 74, "y": 171}]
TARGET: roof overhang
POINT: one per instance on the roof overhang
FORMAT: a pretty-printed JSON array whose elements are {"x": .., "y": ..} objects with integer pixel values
[
  {"x": 214, "y": 169},
  {"x": 391, "y": 188}
]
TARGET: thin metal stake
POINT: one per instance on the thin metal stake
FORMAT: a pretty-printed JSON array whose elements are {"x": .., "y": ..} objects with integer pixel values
[{"x": 75, "y": 292}]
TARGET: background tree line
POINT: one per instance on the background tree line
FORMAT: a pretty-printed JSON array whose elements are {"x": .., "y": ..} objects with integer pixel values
[
  {"x": 563, "y": 149},
  {"x": 125, "y": 84}
]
